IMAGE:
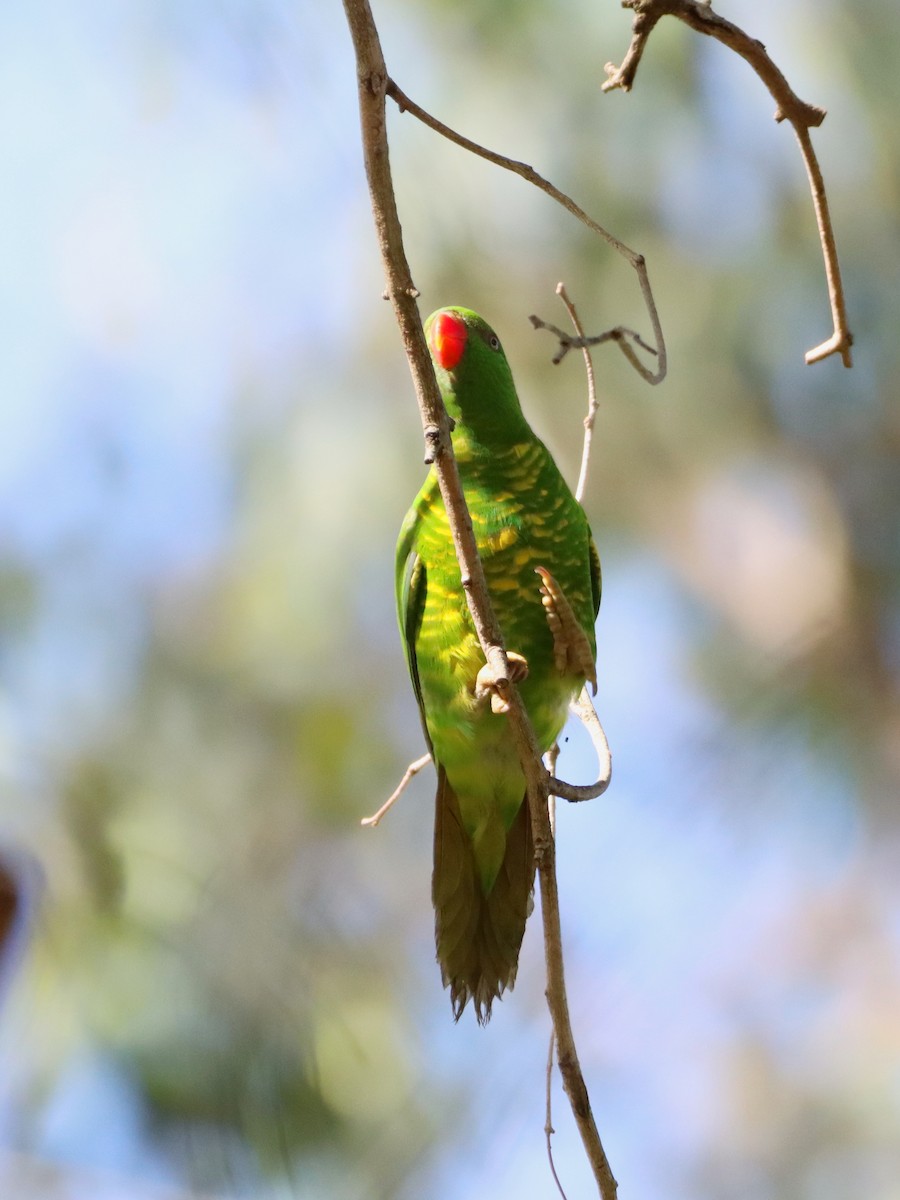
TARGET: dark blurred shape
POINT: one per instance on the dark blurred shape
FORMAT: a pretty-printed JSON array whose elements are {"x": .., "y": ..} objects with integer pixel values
[
  {"x": 19, "y": 883},
  {"x": 9, "y": 906}
]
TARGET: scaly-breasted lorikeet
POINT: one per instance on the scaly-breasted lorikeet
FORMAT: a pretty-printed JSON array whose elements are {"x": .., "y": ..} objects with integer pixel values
[{"x": 543, "y": 575}]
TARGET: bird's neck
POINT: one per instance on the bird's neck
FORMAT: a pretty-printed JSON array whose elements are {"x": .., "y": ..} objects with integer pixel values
[{"x": 479, "y": 446}]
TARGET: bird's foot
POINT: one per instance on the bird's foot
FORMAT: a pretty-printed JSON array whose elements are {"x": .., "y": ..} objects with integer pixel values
[
  {"x": 571, "y": 648},
  {"x": 487, "y": 684}
]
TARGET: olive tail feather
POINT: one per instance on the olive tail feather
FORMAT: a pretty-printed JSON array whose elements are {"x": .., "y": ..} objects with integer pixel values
[{"x": 478, "y": 935}]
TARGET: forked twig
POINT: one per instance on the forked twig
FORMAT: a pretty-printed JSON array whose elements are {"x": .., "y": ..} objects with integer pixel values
[
  {"x": 802, "y": 116},
  {"x": 619, "y": 334}
]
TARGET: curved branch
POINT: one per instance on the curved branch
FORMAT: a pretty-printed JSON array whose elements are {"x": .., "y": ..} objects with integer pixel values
[
  {"x": 528, "y": 173},
  {"x": 802, "y": 116},
  {"x": 583, "y": 708}
]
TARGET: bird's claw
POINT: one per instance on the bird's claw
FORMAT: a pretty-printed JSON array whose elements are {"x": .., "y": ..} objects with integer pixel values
[
  {"x": 571, "y": 648},
  {"x": 487, "y": 684}
]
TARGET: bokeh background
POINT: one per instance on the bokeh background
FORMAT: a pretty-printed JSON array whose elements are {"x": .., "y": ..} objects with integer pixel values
[{"x": 220, "y": 985}]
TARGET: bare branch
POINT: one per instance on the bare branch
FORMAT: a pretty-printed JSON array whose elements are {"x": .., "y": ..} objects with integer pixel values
[
  {"x": 841, "y": 339},
  {"x": 593, "y": 403},
  {"x": 583, "y": 708},
  {"x": 557, "y": 1002},
  {"x": 551, "y": 758},
  {"x": 548, "y": 1120},
  {"x": 802, "y": 116},
  {"x": 528, "y": 173},
  {"x": 409, "y": 774},
  {"x": 619, "y": 334}
]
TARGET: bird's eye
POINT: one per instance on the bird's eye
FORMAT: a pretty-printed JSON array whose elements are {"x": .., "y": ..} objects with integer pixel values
[{"x": 495, "y": 342}]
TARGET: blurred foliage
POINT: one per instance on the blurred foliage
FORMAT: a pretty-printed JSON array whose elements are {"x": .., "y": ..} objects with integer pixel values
[{"x": 203, "y": 689}]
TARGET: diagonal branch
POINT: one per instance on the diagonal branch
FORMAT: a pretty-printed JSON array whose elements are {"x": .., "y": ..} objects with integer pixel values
[
  {"x": 802, "y": 116},
  {"x": 408, "y": 776},
  {"x": 373, "y": 83}
]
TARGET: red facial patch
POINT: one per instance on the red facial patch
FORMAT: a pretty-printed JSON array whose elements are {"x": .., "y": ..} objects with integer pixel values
[{"x": 448, "y": 339}]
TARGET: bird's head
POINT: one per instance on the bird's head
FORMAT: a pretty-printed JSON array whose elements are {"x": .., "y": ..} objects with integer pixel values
[{"x": 474, "y": 376}]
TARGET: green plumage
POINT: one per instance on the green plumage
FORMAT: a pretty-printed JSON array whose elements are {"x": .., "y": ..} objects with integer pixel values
[{"x": 524, "y": 516}]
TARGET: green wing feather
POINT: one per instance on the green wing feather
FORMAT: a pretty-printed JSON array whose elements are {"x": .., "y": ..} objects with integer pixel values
[
  {"x": 410, "y": 585},
  {"x": 596, "y": 575}
]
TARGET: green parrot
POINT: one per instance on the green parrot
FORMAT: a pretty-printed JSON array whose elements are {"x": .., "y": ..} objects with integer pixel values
[{"x": 543, "y": 575}]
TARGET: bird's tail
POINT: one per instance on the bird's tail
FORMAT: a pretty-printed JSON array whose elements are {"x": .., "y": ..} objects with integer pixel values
[{"x": 478, "y": 936}]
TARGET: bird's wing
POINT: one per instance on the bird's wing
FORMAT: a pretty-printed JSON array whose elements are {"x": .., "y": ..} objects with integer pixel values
[{"x": 410, "y": 584}]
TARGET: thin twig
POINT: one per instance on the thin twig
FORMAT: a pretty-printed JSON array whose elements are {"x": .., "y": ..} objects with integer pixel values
[
  {"x": 551, "y": 758},
  {"x": 802, "y": 116},
  {"x": 372, "y": 89},
  {"x": 637, "y": 261},
  {"x": 548, "y": 1120},
  {"x": 593, "y": 403},
  {"x": 557, "y": 1001},
  {"x": 411, "y": 772},
  {"x": 841, "y": 339}
]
